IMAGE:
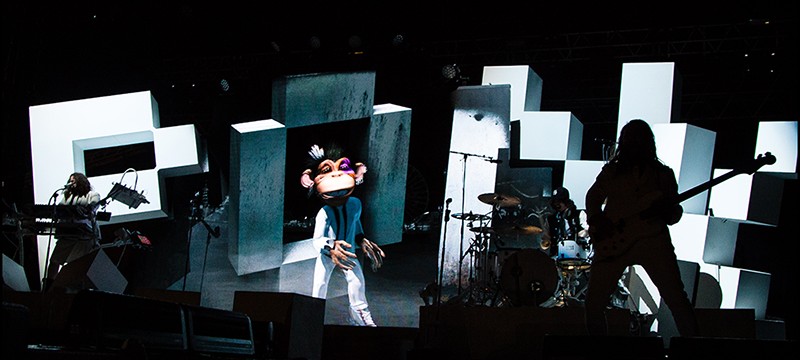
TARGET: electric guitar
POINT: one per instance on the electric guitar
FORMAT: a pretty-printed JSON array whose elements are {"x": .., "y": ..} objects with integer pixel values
[{"x": 616, "y": 238}]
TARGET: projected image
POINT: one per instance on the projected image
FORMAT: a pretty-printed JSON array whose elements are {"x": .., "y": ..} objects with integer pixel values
[{"x": 300, "y": 206}]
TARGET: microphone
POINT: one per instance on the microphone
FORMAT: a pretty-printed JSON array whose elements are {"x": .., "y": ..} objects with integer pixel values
[
  {"x": 496, "y": 161},
  {"x": 605, "y": 141},
  {"x": 448, "y": 201}
]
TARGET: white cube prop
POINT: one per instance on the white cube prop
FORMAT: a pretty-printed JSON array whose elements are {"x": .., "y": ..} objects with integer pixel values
[
  {"x": 689, "y": 151},
  {"x": 550, "y": 135},
  {"x": 740, "y": 288},
  {"x": 526, "y": 86},
  {"x": 780, "y": 139},
  {"x": 750, "y": 198},
  {"x": 579, "y": 175},
  {"x": 649, "y": 91}
]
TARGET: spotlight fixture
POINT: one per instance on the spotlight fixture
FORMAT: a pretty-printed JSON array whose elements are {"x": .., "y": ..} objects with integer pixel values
[
  {"x": 224, "y": 85},
  {"x": 451, "y": 71},
  {"x": 398, "y": 40},
  {"x": 315, "y": 42}
]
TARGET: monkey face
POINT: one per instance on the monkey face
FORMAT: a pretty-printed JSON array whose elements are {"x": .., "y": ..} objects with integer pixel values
[{"x": 335, "y": 180}]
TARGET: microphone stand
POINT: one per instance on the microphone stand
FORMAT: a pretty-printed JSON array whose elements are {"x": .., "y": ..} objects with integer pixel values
[
  {"x": 210, "y": 232},
  {"x": 463, "y": 198},
  {"x": 441, "y": 264}
]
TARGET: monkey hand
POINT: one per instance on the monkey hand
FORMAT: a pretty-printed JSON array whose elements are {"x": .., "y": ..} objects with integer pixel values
[
  {"x": 374, "y": 253},
  {"x": 340, "y": 256}
]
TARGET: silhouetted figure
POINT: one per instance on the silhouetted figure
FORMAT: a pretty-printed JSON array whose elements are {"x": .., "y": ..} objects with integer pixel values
[{"x": 626, "y": 231}]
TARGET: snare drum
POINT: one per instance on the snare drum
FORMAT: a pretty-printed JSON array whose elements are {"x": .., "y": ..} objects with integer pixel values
[{"x": 570, "y": 252}]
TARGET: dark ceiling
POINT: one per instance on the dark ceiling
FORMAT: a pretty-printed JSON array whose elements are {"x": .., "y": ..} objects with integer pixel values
[{"x": 737, "y": 60}]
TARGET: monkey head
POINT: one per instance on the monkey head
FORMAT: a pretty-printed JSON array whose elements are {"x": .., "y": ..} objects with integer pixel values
[{"x": 332, "y": 178}]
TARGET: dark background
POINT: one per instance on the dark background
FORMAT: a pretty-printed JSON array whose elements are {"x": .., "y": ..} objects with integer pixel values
[{"x": 737, "y": 60}]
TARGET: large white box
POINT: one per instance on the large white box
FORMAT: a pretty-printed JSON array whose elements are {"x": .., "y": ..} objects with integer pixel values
[
  {"x": 550, "y": 135},
  {"x": 689, "y": 151},
  {"x": 649, "y": 91}
]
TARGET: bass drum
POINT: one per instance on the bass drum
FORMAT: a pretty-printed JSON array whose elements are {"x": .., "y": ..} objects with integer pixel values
[{"x": 528, "y": 278}]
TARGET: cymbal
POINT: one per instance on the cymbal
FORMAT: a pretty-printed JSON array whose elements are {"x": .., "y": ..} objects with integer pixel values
[
  {"x": 470, "y": 216},
  {"x": 499, "y": 200},
  {"x": 521, "y": 230},
  {"x": 482, "y": 229}
]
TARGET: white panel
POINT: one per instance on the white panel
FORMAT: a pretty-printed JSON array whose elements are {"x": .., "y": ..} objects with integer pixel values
[
  {"x": 259, "y": 125},
  {"x": 689, "y": 151},
  {"x": 731, "y": 198},
  {"x": 526, "y": 86},
  {"x": 646, "y": 92},
  {"x": 170, "y": 147},
  {"x": 579, "y": 175},
  {"x": 689, "y": 237},
  {"x": 480, "y": 128},
  {"x": 779, "y": 138},
  {"x": 728, "y": 279},
  {"x": 550, "y": 135}
]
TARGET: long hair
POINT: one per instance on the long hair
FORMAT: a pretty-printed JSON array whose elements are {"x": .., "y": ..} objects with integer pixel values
[
  {"x": 637, "y": 145},
  {"x": 82, "y": 185}
]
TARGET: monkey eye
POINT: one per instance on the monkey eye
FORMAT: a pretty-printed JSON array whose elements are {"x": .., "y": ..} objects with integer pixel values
[
  {"x": 325, "y": 169},
  {"x": 344, "y": 165}
]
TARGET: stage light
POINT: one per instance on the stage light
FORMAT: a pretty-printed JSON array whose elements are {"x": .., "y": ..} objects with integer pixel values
[
  {"x": 451, "y": 71},
  {"x": 398, "y": 40},
  {"x": 315, "y": 42},
  {"x": 224, "y": 85}
]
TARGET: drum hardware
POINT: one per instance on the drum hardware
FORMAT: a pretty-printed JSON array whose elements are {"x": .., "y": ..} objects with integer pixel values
[
  {"x": 499, "y": 200},
  {"x": 528, "y": 278},
  {"x": 573, "y": 260},
  {"x": 520, "y": 230},
  {"x": 471, "y": 217}
]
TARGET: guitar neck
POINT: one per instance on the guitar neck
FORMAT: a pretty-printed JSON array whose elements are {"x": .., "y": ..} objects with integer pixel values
[
  {"x": 752, "y": 167},
  {"x": 705, "y": 186}
]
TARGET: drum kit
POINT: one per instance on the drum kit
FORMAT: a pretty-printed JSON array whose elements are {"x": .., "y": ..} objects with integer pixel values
[{"x": 519, "y": 276}]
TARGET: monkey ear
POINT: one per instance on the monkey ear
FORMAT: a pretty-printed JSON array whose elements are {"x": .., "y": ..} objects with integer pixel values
[
  {"x": 305, "y": 179},
  {"x": 361, "y": 169}
]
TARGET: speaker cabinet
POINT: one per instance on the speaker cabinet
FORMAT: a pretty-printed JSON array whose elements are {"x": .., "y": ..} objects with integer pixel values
[
  {"x": 215, "y": 331},
  {"x": 287, "y": 325},
  {"x": 107, "y": 321}
]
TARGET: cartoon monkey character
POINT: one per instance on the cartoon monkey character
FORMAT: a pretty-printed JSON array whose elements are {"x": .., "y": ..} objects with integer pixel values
[{"x": 337, "y": 228}]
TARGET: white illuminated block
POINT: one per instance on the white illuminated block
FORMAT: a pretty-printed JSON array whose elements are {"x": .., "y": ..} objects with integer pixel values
[
  {"x": 469, "y": 174},
  {"x": 689, "y": 237},
  {"x": 705, "y": 239},
  {"x": 526, "y": 86},
  {"x": 579, "y": 175},
  {"x": 550, "y": 135},
  {"x": 740, "y": 289},
  {"x": 57, "y": 148},
  {"x": 780, "y": 139},
  {"x": 689, "y": 151},
  {"x": 649, "y": 91},
  {"x": 749, "y": 198}
]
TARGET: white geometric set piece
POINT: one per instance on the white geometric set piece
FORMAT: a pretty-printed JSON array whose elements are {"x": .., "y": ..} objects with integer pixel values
[
  {"x": 259, "y": 148},
  {"x": 58, "y": 146},
  {"x": 756, "y": 198}
]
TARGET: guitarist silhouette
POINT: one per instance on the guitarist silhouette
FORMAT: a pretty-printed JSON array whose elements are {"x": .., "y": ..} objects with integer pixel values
[{"x": 633, "y": 175}]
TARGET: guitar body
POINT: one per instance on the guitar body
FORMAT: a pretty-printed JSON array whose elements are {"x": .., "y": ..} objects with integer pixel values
[
  {"x": 651, "y": 213},
  {"x": 625, "y": 230}
]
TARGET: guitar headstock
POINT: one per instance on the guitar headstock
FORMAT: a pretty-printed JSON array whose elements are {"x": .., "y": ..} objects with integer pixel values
[{"x": 762, "y": 159}]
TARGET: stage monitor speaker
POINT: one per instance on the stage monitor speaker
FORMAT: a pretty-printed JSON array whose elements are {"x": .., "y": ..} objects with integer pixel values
[
  {"x": 215, "y": 331},
  {"x": 176, "y": 296},
  {"x": 108, "y": 321},
  {"x": 91, "y": 271},
  {"x": 287, "y": 325}
]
